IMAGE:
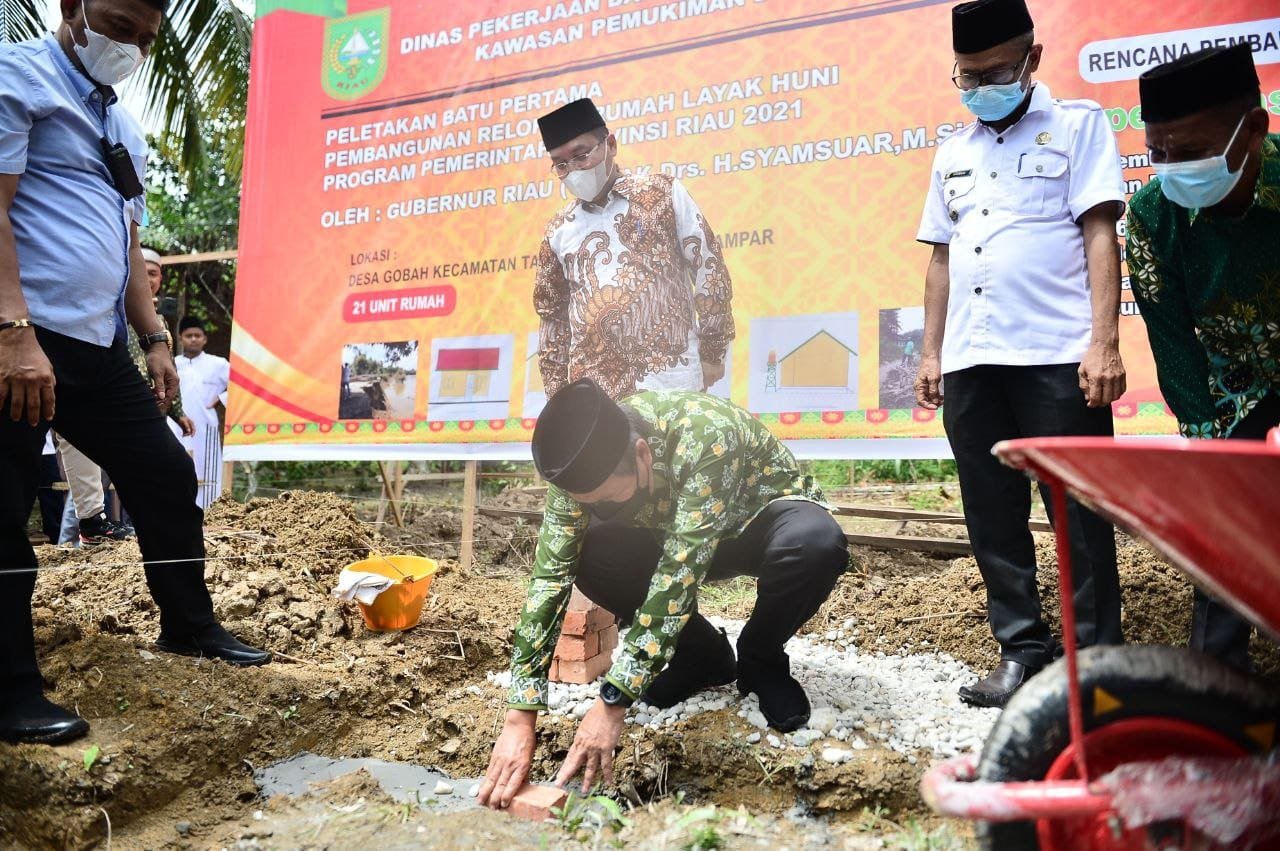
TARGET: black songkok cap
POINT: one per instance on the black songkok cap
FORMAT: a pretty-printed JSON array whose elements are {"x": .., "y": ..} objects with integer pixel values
[
  {"x": 1198, "y": 81},
  {"x": 984, "y": 24},
  {"x": 190, "y": 322},
  {"x": 580, "y": 437},
  {"x": 569, "y": 122}
]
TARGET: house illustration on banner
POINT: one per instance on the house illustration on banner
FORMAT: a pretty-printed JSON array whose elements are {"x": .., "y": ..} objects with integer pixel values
[
  {"x": 534, "y": 373},
  {"x": 465, "y": 374},
  {"x": 820, "y": 361}
]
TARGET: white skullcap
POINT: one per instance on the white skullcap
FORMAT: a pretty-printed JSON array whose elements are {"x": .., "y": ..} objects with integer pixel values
[{"x": 151, "y": 256}]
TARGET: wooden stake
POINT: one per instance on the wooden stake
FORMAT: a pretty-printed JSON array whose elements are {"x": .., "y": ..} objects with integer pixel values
[
  {"x": 467, "y": 552},
  {"x": 228, "y": 476},
  {"x": 392, "y": 492}
]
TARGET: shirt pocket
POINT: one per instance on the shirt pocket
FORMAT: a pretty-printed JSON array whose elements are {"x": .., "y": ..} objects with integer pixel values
[
  {"x": 957, "y": 191},
  {"x": 1045, "y": 179}
]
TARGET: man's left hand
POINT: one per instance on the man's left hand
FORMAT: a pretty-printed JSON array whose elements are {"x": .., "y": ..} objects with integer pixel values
[
  {"x": 1102, "y": 377},
  {"x": 711, "y": 373},
  {"x": 594, "y": 746},
  {"x": 187, "y": 425},
  {"x": 164, "y": 376}
]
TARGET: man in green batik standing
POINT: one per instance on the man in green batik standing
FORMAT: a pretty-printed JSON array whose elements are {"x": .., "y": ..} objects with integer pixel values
[
  {"x": 679, "y": 488},
  {"x": 1204, "y": 261}
]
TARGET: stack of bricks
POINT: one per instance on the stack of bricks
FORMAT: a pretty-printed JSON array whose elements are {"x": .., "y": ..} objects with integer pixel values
[{"x": 587, "y": 641}]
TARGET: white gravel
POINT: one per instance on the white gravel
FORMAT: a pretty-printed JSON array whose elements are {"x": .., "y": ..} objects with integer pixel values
[{"x": 904, "y": 701}]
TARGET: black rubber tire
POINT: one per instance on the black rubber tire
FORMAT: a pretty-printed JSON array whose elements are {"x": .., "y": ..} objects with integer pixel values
[{"x": 1165, "y": 682}]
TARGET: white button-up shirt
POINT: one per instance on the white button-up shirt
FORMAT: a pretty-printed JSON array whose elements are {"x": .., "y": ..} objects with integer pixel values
[{"x": 1008, "y": 205}]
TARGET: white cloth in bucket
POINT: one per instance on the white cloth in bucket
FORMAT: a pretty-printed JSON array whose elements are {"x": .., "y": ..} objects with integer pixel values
[{"x": 361, "y": 586}]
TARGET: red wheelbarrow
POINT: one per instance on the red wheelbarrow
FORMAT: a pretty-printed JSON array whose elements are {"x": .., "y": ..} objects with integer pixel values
[{"x": 1141, "y": 747}]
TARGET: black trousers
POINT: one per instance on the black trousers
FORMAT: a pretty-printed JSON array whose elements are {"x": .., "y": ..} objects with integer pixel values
[
  {"x": 1215, "y": 628},
  {"x": 795, "y": 549},
  {"x": 106, "y": 409},
  {"x": 988, "y": 404},
  {"x": 51, "y": 501}
]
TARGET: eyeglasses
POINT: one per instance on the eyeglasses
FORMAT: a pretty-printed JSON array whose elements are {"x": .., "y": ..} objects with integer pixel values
[
  {"x": 996, "y": 77},
  {"x": 577, "y": 163}
]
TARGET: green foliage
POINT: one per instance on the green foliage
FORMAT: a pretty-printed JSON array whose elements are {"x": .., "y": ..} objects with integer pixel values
[
  {"x": 198, "y": 71},
  {"x": 595, "y": 813},
  {"x": 22, "y": 19},
  {"x": 911, "y": 836},
  {"x": 927, "y": 500},
  {"x": 189, "y": 213},
  {"x": 90, "y": 756},
  {"x": 337, "y": 476},
  {"x": 837, "y": 474}
]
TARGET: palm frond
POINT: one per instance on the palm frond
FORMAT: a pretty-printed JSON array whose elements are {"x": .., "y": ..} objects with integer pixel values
[
  {"x": 198, "y": 73},
  {"x": 22, "y": 19}
]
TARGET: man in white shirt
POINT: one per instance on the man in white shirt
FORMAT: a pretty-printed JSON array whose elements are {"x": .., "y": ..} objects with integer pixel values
[
  {"x": 203, "y": 380},
  {"x": 1021, "y": 306},
  {"x": 631, "y": 286}
]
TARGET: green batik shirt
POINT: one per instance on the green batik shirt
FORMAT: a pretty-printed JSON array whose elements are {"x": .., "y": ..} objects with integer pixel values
[
  {"x": 714, "y": 468},
  {"x": 1208, "y": 287},
  {"x": 140, "y": 361}
]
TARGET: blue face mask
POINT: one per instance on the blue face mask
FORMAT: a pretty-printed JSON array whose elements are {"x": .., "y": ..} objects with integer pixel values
[
  {"x": 1198, "y": 184},
  {"x": 993, "y": 103}
]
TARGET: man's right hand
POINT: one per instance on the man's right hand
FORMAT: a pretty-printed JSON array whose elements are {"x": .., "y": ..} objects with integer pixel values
[
  {"x": 929, "y": 383},
  {"x": 26, "y": 377},
  {"x": 512, "y": 757}
]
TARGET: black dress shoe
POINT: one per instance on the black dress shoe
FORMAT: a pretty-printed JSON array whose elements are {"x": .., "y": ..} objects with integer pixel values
[
  {"x": 998, "y": 686},
  {"x": 215, "y": 643},
  {"x": 36, "y": 720},
  {"x": 704, "y": 662},
  {"x": 782, "y": 700}
]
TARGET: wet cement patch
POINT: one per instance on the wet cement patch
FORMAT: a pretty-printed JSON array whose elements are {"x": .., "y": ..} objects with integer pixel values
[{"x": 404, "y": 782}]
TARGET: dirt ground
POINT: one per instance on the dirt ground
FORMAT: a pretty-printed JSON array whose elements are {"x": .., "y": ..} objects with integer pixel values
[{"x": 170, "y": 759}]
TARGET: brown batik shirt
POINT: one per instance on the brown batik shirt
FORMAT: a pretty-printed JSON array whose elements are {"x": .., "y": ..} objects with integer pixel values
[{"x": 633, "y": 294}]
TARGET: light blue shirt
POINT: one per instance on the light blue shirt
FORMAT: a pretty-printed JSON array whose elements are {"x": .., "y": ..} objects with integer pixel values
[{"x": 70, "y": 223}]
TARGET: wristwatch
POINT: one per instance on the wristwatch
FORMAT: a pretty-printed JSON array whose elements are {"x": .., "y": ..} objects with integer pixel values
[
  {"x": 614, "y": 696},
  {"x": 146, "y": 341}
]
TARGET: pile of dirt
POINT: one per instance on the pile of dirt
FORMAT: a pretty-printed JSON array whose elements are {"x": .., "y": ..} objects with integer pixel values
[
  {"x": 167, "y": 726},
  {"x": 503, "y": 546},
  {"x": 900, "y": 603},
  {"x": 175, "y": 740}
]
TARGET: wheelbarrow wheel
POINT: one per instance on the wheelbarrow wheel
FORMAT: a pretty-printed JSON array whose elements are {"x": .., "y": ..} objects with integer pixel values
[{"x": 1139, "y": 704}]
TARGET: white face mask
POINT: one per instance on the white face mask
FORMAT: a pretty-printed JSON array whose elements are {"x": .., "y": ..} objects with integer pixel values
[
  {"x": 107, "y": 62},
  {"x": 588, "y": 183}
]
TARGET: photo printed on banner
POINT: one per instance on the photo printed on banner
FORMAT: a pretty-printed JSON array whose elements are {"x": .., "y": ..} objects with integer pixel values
[
  {"x": 378, "y": 381},
  {"x": 901, "y": 336}
]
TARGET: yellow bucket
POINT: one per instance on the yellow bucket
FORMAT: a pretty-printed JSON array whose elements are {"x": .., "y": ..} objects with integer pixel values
[{"x": 400, "y": 606}]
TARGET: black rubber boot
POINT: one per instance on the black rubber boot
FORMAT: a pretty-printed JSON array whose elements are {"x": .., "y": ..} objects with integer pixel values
[
  {"x": 782, "y": 700},
  {"x": 34, "y": 719},
  {"x": 703, "y": 659}
]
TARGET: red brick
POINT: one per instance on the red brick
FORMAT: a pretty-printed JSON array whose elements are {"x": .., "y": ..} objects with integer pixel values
[
  {"x": 579, "y": 602},
  {"x": 580, "y": 622},
  {"x": 564, "y": 671},
  {"x": 608, "y": 639},
  {"x": 573, "y": 648},
  {"x": 536, "y": 802}
]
